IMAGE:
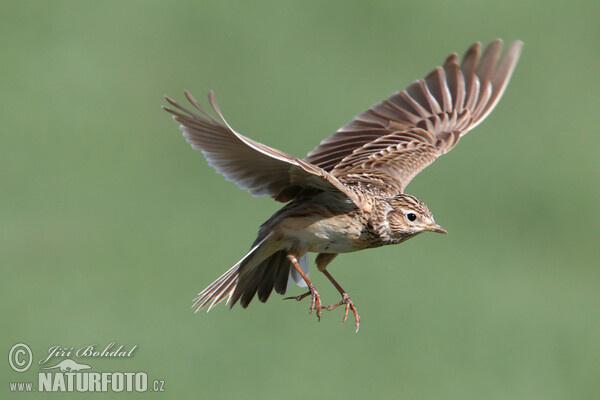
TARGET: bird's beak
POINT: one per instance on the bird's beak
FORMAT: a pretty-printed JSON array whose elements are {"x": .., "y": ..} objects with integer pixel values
[{"x": 436, "y": 228}]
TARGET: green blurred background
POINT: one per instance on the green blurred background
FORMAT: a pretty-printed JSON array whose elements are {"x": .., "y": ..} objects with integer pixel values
[{"x": 110, "y": 223}]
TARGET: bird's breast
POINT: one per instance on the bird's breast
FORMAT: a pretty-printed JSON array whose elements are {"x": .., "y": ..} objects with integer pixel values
[{"x": 331, "y": 234}]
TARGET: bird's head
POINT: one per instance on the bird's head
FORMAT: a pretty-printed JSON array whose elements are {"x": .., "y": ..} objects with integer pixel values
[{"x": 410, "y": 216}]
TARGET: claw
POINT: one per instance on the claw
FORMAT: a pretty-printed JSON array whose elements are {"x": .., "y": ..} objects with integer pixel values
[
  {"x": 349, "y": 306},
  {"x": 315, "y": 303},
  {"x": 297, "y": 298}
]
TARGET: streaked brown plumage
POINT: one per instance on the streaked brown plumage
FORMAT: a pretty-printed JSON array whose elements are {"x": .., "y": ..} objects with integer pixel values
[{"x": 347, "y": 194}]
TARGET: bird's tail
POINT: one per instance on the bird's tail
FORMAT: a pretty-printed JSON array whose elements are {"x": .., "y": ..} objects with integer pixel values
[{"x": 264, "y": 268}]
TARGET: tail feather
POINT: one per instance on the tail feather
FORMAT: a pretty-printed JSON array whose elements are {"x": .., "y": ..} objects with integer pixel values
[
  {"x": 278, "y": 276},
  {"x": 273, "y": 273},
  {"x": 261, "y": 280},
  {"x": 259, "y": 272},
  {"x": 218, "y": 290},
  {"x": 247, "y": 287},
  {"x": 271, "y": 267},
  {"x": 280, "y": 282},
  {"x": 226, "y": 284}
]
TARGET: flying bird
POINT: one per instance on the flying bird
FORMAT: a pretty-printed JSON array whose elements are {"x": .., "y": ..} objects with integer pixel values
[{"x": 348, "y": 193}]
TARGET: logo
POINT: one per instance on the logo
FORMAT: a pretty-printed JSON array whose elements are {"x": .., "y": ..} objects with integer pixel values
[
  {"x": 20, "y": 357},
  {"x": 68, "y": 365},
  {"x": 74, "y": 372}
]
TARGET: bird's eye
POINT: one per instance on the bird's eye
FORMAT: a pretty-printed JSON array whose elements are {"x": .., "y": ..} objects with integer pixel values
[{"x": 411, "y": 217}]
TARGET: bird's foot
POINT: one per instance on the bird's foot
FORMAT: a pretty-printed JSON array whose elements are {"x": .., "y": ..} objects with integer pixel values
[
  {"x": 315, "y": 303},
  {"x": 349, "y": 306}
]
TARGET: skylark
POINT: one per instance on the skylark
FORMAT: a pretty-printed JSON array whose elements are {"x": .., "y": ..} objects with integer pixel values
[{"x": 348, "y": 193}]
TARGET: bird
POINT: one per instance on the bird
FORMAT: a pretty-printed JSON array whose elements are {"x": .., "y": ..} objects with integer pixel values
[{"x": 347, "y": 194}]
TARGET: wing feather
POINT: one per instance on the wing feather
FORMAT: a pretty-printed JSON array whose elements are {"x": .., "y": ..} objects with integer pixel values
[
  {"x": 253, "y": 166},
  {"x": 393, "y": 141}
]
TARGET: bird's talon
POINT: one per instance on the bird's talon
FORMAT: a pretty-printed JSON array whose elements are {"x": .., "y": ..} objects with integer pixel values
[
  {"x": 297, "y": 298},
  {"x": 345, "y": 314},
  {"x": 315, "y": 303},
  {"x": 349, "y": 306}
]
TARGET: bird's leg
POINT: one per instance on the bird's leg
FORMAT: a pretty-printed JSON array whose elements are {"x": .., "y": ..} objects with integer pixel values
[
  {"x": 316, "y": 299},
  {"x": 345, "y": 301},
  {"x": 322, "y": 261}
]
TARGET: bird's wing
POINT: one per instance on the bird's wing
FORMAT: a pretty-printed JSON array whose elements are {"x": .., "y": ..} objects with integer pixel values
[
  {"x": 386, "y": 146},
  {"x": 253, "y": 166}
]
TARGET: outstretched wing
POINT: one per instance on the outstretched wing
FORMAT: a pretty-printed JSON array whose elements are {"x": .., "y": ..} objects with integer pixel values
[
  {"x": 386, "y": 146},
  {"x": 253, "y": 166}
]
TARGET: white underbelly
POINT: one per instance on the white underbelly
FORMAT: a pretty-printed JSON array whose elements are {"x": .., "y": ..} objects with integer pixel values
[{"x": 337, "y": 235}]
